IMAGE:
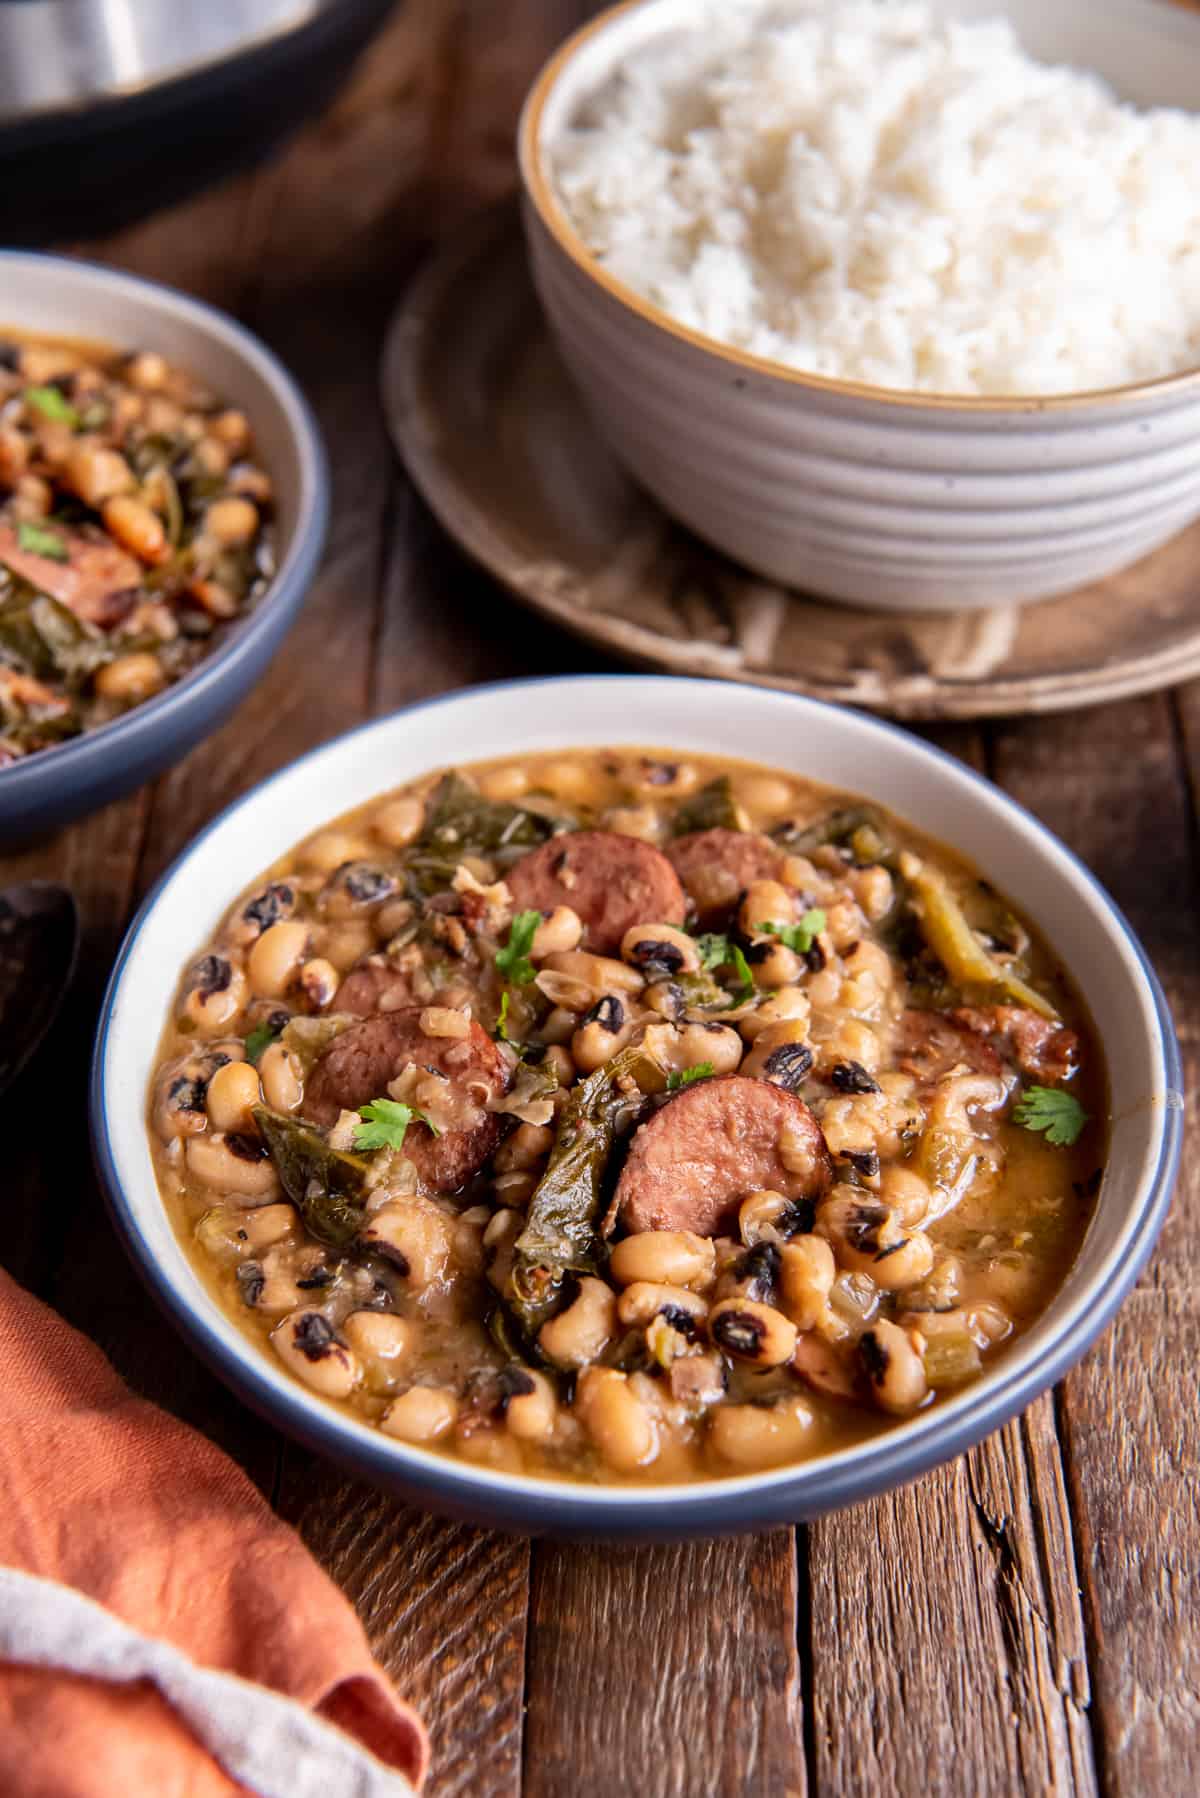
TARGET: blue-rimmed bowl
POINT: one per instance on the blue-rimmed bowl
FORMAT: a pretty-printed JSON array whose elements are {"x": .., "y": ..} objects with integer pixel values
[
  {"x": 57, "y": 296},
  {"x": 842, "y": 748}
]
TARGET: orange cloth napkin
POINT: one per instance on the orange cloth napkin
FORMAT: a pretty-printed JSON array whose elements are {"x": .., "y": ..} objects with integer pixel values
[{"x": 105, "y": 1493}]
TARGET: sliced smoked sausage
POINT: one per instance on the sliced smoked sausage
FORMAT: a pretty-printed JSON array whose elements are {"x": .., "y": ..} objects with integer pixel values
[
  {"x": 716, "y": 867},
  {"x": 1041, "y": 1047},
  {"x": 691, "y": 1164},
  {"x": 611, "y": 881},
  {"x": 929, "y": 1045},
  {"x": 359, "y": 1065},
  {"x": 376, "y": 985}
]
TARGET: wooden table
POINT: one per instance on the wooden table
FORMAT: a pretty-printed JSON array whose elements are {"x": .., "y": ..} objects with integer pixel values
[{"x": 1024, "y": 1620}]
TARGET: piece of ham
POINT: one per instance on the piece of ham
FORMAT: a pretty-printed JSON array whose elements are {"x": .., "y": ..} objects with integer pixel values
[{"x": 98, "y": 581}]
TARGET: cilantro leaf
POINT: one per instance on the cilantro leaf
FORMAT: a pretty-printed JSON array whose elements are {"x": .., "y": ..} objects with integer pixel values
[
  {"x": 799, "y": 937},
  {"x": 385, "y": 1123},
  {"x": 513, "y": 960},
  {"x": 714, "y": 950},
  {"x": 1056, "y": 1113},
  {"x": 676, "y": 1080},
  {"x": 52, "y": 403},
  {"x": 41, "y": 542},
  {"x": 259, "y": 1041},
  {"x": 717, "y": 951}
]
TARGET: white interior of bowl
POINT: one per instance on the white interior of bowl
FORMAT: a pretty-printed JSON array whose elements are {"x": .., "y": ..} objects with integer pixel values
[
  {"x": 842, "y": 749},
  {"x": 55, "y": 297}
]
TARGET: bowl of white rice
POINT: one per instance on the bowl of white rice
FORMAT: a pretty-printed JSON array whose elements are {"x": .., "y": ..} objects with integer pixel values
[{"x": 895, "y": 301}]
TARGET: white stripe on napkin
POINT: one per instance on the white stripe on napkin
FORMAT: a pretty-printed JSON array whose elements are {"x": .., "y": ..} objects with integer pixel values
[{"x": 270, "y": 1743}]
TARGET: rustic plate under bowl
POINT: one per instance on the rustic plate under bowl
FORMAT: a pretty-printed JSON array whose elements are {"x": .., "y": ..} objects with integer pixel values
[{"x": 500, "y": 445}]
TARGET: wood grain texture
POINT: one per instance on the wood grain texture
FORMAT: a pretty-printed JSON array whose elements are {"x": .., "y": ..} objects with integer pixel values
[
  {"x": 1112, "y": 785},
  {"x": 664, "y": 1672},
  {"x": 948, "y": 1653}
]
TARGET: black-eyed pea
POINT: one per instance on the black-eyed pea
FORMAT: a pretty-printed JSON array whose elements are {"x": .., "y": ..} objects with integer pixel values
[
  {"x": 504, "y": 783},
  {"x": 868, "y": 1238},
  {"x": 399, "y": 822},
  {"x": 130, "y": 678},
  {"x": 270, "y": 1284},
  {"x": 665, "y": 1257},
  {"x": 136, "y": 527},
  {"x": 825, "y": 989},
  {"x": 765, "y": 795},
  {"x": 308, "y": 1346},
  {"x": 766, "y": 902},
  {"x": 868, "y": 958},
  {"x": 642, "y": 821},
  {"x": 762, "y": 1435},
  {"x": 659, "y": 951},
  {"x": 231, "y": 522},
  {"x": 583, "y": 1330},
  {"x": 383, "y": 1343},
  {"x": 414, "y": 1236},
  {"x": 445, "y": 1021},
  {"x": 908, "y": 1195},
  {"x": 906, "y": 1264},
  {"x": 531, "y": 1410},
  {"x": 751, "y": 1332},
  {"x": 605, "y": 1030},
  {"x": 282, "y": 1078},
  {"x": 216, "y": 989},
  {"x": 499, "y": 1239},
  {"x": 621, "y": 1427},
  {"x": 331, "y": 849},
  {"x": 774, "y": 964},
  {"x": 95, "y": 473},
  {"x": 422, "y": 1414},
  {"x": 276, "y": 957},
  {"x": 319, "y": 981},
  {"x": 780, "y": 1053},
  {"x": 559, "y": 1026},
  {"x": 788, "y": 1004},
  {"x": 559, "y": 1061},
  {"x": 844, "y": 923},
  {"x": 893, "y": 1368},
  {"x": 851, "y": 1041},
  {"x": 232, "y": 1094},
  {"x": 348, "y": 943},
  {"x": 236, "y": 1166},
  {"x": 874, "y": 890},
  {"x": 526, "y": 1148},
  {"x": 644, "y": 1300},
  {"x": 515, "y": 1188},
  {"x": 768, "y": 1217},
  {"x": 148, "y": 371},
  {"x": 231, "y": 428},
  {"x": 677, "y": 1047},
  {"x": 598, "y": 974},
  {"x": 230, "y": 1234},
  {"x": 558, "y": 933},
  {"x": 807, "y": 1271}
]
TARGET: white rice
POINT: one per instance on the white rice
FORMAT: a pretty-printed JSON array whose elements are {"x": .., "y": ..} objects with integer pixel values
[{"x": 851, "y": 188}]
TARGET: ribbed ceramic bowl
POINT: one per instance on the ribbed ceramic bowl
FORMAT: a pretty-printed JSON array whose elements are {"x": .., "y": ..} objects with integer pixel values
[
  {"x": 858, "y": 493},
  {"x": 65, "y": 298},
  {"x": 840, "y": 747}
]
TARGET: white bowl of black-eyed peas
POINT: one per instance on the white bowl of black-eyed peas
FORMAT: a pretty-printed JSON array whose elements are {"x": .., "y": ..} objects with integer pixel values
[{"x": 652, "y": 1107}]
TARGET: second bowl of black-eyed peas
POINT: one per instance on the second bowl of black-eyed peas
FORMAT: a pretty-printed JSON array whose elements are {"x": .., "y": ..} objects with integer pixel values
[
  {"x": 163, "y": 499},
  {"x": 635, "y": 1134}
]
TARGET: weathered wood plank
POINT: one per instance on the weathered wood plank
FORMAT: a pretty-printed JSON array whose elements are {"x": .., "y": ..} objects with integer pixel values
[
  {"x": 1111, "y": 784},
  {"x": 662, "y": 1672},
  {"x": 947, "y": 1644}
]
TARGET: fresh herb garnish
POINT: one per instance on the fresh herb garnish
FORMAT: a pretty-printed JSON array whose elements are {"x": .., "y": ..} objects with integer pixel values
[
  {"x": 799, "y": 937},
  {"x": 684, "y": 1077},
  {"x": 52, "y": 403},
  {"x": 1057, "y": 1114},
  {"x": 717, "y": 951},
  {"x": 384, "y": 1124},
  {"x": 513, "y": 960},
  {"x": 259, "y": 1041},
  {"x": 41, "y": 542},
  {"x": 502, "y": 1020}
]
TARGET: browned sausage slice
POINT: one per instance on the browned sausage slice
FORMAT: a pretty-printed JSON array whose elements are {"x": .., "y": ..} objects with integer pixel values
[
  {"x": 716, "y": 866},
  {"x": 611, "y": 881},
  {"x": 359, "y": 1064},
  {"x": 691, "y": 1164}
]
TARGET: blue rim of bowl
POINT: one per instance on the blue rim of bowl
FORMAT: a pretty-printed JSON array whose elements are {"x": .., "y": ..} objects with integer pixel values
[
  {"x": 530, "y": 1506},
  {"x": 291, "y": 581}
]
